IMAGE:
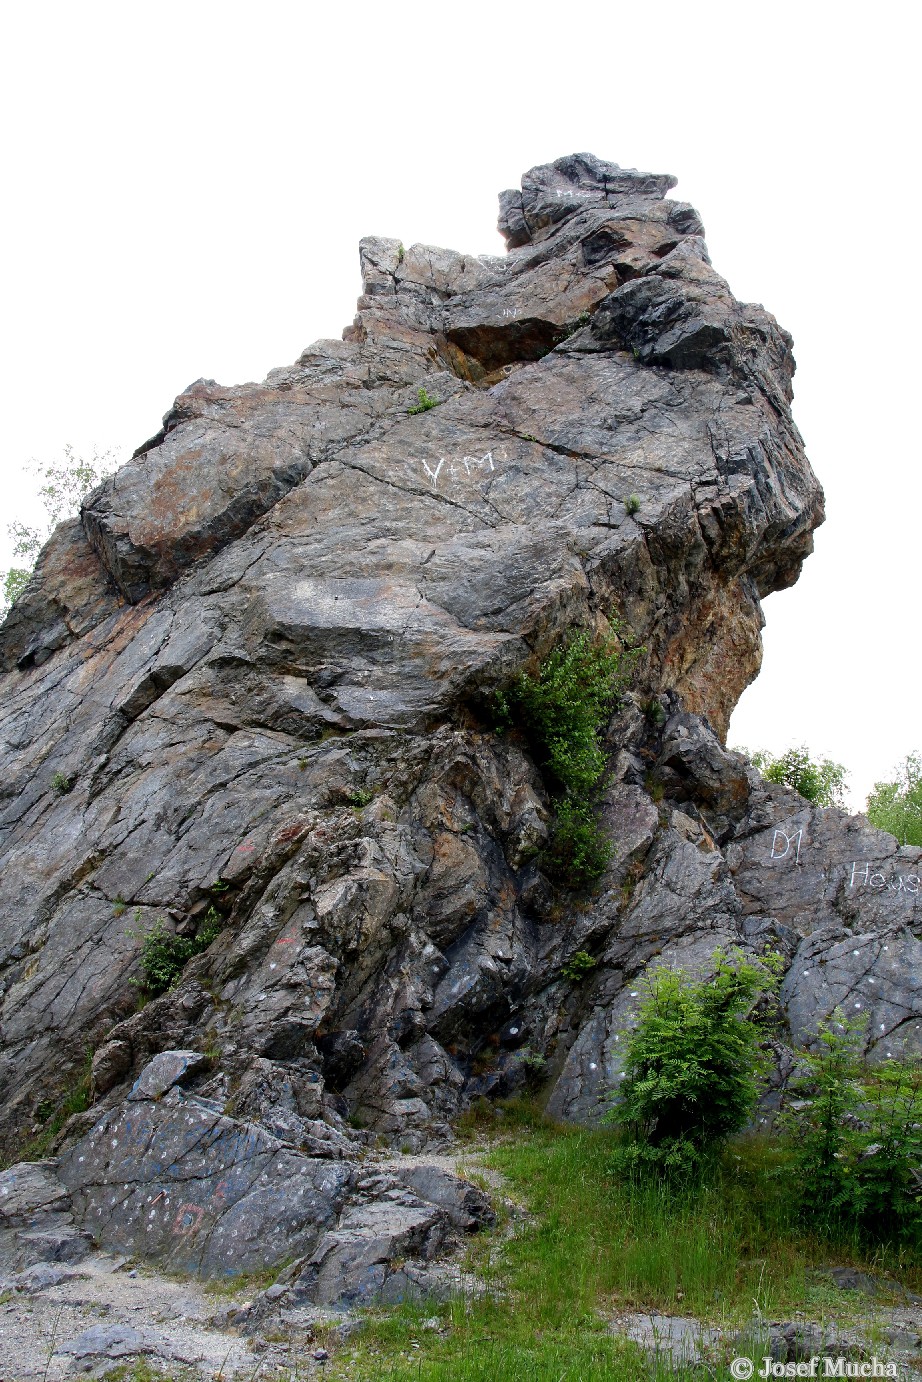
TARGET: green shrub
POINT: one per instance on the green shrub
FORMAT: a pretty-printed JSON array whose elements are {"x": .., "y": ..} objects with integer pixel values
[
  {"x": 578, "y": 966},
  {"x": 534, "y": 1066},
  {"x": 856, "y": 1142},
  {"x": 632, "y": 504},
  {"x": 578, "y": 852},
  {"x": 562, "y": 712},
  {"x": 426, "y": 401},
  {"x": 61, "y": 784},
  {"x": 897, "y": 806},
  {"x": 820, "y": 781},
  {"x": 691, "y": 1065},
  {"x": 164, "y": 954}
]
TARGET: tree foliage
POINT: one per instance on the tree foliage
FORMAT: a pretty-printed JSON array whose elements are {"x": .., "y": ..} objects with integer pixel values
[
  {"x": 819, "y": 780},
  {"x": 692, "y": 1064},
  {"x": 897, "y": 806},
  {"x": 63, "y": 486}
]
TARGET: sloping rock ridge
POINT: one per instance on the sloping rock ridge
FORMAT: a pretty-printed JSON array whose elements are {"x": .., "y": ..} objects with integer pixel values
[{"x": 252, "y": 682}]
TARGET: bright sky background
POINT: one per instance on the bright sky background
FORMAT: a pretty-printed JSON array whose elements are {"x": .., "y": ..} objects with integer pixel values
[{"x": 185, "y": 185}]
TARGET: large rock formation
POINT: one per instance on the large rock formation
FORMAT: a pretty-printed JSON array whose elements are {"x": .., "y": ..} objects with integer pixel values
[{"x": 255, "y": 676}]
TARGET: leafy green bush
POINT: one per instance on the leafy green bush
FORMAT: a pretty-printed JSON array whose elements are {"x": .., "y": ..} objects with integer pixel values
[
  {"x": 819, "y": 780},
  {"x": 632, "y": 504},
  {"x": 562, "y": 712},
  {"x": 426, "y": 401},
  {"x": 897, "y": 806},
  {"x": 857, "y": 1141},
  {"x": 691, "y": 1066},
  {"x": 164, "y": 954}
]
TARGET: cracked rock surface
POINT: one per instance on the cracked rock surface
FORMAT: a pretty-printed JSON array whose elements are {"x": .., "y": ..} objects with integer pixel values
[{"x": 261, "y": 663}]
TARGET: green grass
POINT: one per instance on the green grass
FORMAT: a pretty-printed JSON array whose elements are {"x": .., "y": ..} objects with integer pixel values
[{"x": 592, "y": 1246}]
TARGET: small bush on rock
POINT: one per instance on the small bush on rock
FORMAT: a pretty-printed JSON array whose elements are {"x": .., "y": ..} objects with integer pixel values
[
  {"x": 164, "y": 954},
  {"x": 426, "y": 401},
  {"x": 563, "y": 711},
  {"x": 692, "y": 1066},
  {"x": 578, "y": 966}
]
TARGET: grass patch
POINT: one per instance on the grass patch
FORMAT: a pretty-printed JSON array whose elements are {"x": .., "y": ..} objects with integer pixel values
[
  {"x": 727, "y": 1251},
  {"x": 54, "y": 1116}
]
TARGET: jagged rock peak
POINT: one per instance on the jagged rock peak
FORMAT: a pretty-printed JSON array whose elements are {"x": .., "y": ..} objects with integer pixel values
[
  {"x": 246, "y": 704},
  {"x": 553, "y": 192}
]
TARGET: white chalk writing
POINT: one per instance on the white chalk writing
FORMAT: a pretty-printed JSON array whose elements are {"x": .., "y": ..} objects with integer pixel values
[
  {"x": 781, "y": 837},
  {"x": 471, "y": 466},
  {"x": 864, "y": 876}
]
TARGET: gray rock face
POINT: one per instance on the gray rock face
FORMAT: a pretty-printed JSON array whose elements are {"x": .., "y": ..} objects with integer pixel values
[
  {"x": 177, "y": 1181},
  {"x": 36, "y": 1220},
  {"x": 262, "y": 663}
]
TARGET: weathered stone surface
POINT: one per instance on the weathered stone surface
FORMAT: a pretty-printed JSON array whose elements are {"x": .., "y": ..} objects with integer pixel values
[
  {"x": 36, "y": 1219},
  {"x": 164, "y": 1071},
  {"x": 108, "y": 1341},
  {"x": 466, "y": 1206},
  {"x": 176, "y": 1180},
  {"x": 262, "y": 665},
  {"x": 352, "y": 1265}
]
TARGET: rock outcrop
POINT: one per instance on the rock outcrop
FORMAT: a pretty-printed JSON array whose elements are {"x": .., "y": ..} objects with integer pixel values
[{"x": 253, "y": 682}]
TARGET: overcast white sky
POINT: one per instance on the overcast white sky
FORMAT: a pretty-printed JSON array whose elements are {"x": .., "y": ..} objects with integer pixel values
[{"x": 185, "y": 185}]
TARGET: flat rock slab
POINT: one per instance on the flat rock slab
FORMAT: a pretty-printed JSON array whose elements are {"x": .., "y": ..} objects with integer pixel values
[
  {"x": 681, "y": 1339},
  {"x": 352, "y": 1265}
]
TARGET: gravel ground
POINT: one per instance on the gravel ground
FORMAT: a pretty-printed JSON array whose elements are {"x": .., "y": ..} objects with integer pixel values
[{"x": 129, "y": 1312}]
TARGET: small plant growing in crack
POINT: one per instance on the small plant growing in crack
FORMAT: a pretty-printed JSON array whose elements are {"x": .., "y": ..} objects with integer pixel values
[
  {"x": 578, "y": 966},
  {"x": 360, "y": 797},
  {"x": 534, "y": 1065},
  {"x": 632, "y": 504},
  {"x": 562, "y": 711},
  {"x": 582, "y": 320},
  {"x": 426, "y": 401},
  {"x": 61, "y": 784},
  {"x": 401, "y": 253},
  {"x": 654, "y": 712}
]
